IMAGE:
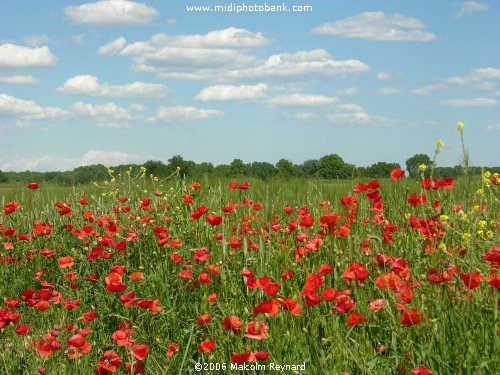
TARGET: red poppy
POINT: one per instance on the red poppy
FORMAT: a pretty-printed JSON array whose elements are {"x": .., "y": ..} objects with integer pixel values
[
  {"x": 140, "y": 351},
  {"x": 354, "y": 319},
  {"x": 232, "y": 323},
  {"x": 22, "y": 329},
  {"x": 109, "y": 361},
  {"x": 411, "y": 317},
  {"x": 397, "y": 173},
  {"x": 65, "y": 262},
  {"x": 32, "y": 186},
  {"x": 88, "y": 316},
  {"x": 257, "y": 330},
  {"x": 355, "y": 271},
  {"x": 214, "y": 220},
  {"x": 492, "y": 256},
  {"x": 114, "y": 283},
  {"x": 471, "y": 279},
  {"x": 195, "y": 186},
  {"x": 172, "y": 348},
  {"x": 207, "y": 346},
  {"x": 244, "y": 186},
  {"x": 421, "y": 370},
  {"x": 378, "y": 304},
  {"x": 417, "y": 200}
]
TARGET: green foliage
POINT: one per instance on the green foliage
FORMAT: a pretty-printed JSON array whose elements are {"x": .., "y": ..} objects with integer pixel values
[
  {"x": 380, "y": 169},
  {"x": 332, "y": 166},
  {"x": 3, "y": 177},
  {"x": 286, "y": 168},
  {"x": 262, "y": 170},
  {"x": 413, "y": 163}
]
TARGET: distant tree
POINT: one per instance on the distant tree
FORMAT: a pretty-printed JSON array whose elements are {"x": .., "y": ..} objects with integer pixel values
[
  {"x": 156, "y": 168},
  {"x": 177, "y": 161},
  {"x": 3, "y": 177},
  {"x": 309, "y": 168},
  {"x": 238, "y": 168},
  {"x": 380, "y": 169},
  {"x": 203, "y": 169},
  {"x": 86, "y": 174},
  {"x": 222, "y": 170},
  {"x": 286, "y": 168},
  {"x": 332, "y": 166},
  {"x": 262, "y": 170},
  {"x": 412, "y": 164}
]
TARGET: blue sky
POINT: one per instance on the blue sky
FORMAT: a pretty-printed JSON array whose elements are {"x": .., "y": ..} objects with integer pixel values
[{"x": 118, "y": 81}]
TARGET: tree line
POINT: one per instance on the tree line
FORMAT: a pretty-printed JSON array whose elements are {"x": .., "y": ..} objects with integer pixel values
[{"x": 328, "y": 167}]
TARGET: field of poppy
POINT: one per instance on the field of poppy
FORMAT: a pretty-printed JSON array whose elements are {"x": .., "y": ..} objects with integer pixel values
[{"x": 150, "y": 276}]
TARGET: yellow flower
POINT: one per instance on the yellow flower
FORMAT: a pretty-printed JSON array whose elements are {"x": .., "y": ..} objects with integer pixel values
[
  {"x": 443, "y": 218},
  {"x": 466, "y": 236},
  {"x": 439, "y": 143},
  {"x": 482, "y": 223},
  {"x": 489, "y": 233},
  {"x": 442, "y": 246},
  {"x": 487, "y": 174},
  {"x": 143, "y": 169},
  {"x": 480, "y": 232},
  {"x": 460, "y": 126},
  {"x": 480, "y": 192},
  {"x": 422, "y": 167}
]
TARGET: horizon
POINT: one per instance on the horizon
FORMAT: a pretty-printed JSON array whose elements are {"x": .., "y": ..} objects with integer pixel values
[{"x": 116, "y": 82}]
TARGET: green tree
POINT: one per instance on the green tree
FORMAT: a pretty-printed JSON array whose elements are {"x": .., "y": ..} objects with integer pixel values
[
  {"x": 286, "y": 168},
  {"x": 309, "y": 168},
  {"x": 413, "y": 163},
  {"x": 156, "y": 168},
  {"x": 262, "y": 170},
  {"x": 238, "y": 168},
  {"x": 380, "y": 169},
  {"x": 332, "y": 166},
  {"x": 3, "y": 177}
]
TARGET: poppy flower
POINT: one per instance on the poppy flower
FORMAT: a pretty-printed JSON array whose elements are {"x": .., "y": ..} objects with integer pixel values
[
  {"x": 244, "y": 186},
  {"x": 22, "y": 329},
  {"x": 354, "y": 319},
  {"x": 355, "y": 271},
  {"x": 207, "y": 346},
  {"x": 232, "y": 323},
  {"x": 417, "y": 200},
  {"x": 109, "y": 361},
  {"x": 397, "y": 173},
  {"x": 378, "y": 304},
  {"x": 214, "y": 220},
  {"x": 411, "y": 317},
  {"x": 172, "y": 348},
  {"x": 203, "y": 319},
  {"x": 65, "y": 262},
  {"x": 421, "y": 370},
  {"x": 32, "y": 186},
  {"x": 257, "y": 330},
  {"x": 471, "y": 279},
  {"x": 140, "y": 351},
  {"x": 88, "y": 316}
]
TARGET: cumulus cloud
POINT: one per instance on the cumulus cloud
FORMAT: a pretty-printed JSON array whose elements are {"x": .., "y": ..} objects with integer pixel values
[
  {"x": 29, "y": 110},
  {"x": 55, "y": 163},
  {"x": 378, "y": 26},
  {"x": 89, "y": 85},
  {"x": 78, "y": 39},
  {"x": 37, "y": 40},
  {"x": 429, "y": 89},
  {"x": 348, "y": 91},
  {"x": 111, "y": 13},
  {"x": 13, "y": 56},
  {"x": 108, "y": 115},
  {"x": 222, "y": 55},
  {"x": 493, "y": 127},
  {"x": 304, "y": 116},
  {"x": 232, "y": 93},
  {"x": 387, "y": 76},
  {"x": 469, "y": 7},
  {"x": 474, "y": 102},
  {"x": 113, "y": 47},
  {"x": 19, "y": 80},
  {"x": 185, "y": 113},
  {"x": 303, "y": 100}
]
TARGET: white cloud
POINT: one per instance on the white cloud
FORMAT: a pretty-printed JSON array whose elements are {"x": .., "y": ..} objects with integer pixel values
[
  {"x": 386, "y": 76},
  {"x": 171, "y": 21},
  {"x": 37, "y": 40},
  {"x": 470, "y": 7},
  {"x": 89, "y": 85},
  {"x": 429, "y": 89},
  {"x": 113, "y": 47},
  {"x": 53, "y": 163},
  {"x": 185, "y": 113},
  {"x": 222, "y": 55},
  {"x": 232, "y": 93},
  {"x": 109, "y": 115},
  {"x": 111, "y": 13},
  {"x": 358, "y": 117},
  {"x": 388, "y": 91},
  {"x": 304, "y": 116},
  {"x": 14, "y": 56},
  {"x": 303, "y": 100},
  {"x": 11, "y": 105},
  {"x": 20, "y": 80},
  {"x": 16, "y": 125},
  {"x": 78, "y": 39},
  {"x": 474, "y": 102},
  {"x": 377, "y": 26},
  {"x": 493, "y": 127},
  {"x": 348, "y": 91}
]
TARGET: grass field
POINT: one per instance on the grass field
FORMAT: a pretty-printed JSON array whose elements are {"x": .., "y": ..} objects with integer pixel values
[{"x": 377, "y": 281}]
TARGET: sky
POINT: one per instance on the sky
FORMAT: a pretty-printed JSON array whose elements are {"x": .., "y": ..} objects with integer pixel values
[{"x": 117, "y": 81}]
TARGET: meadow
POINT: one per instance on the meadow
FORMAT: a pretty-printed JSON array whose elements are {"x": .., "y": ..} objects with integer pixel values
[{"x": 395, "y": 276}]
